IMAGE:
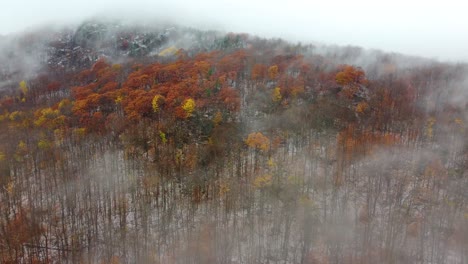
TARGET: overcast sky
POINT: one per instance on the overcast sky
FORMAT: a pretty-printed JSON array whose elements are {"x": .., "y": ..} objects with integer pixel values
[{"x": 434, "y": 29}]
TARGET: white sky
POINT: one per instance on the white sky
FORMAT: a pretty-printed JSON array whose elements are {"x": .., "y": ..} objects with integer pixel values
[{"x": 434, "y": 29}]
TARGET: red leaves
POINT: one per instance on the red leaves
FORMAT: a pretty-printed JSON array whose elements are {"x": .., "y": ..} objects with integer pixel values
[{"x": 230, "y": 98}]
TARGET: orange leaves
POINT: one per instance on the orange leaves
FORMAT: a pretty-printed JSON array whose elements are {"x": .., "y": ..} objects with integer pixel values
[
  {"x": 258, "y": 141},
  {"x": 136, "y": 80},
  {"x": 350, "y": 75},
  {"x": 354, "y": 142},
  {"x": 361, "y": 107},
  {"x": 230, "y": 98},
  {"x": 351, "y": 79},
  {"x": 258, "y": 72},
  {"x": 202, "y": 67}
]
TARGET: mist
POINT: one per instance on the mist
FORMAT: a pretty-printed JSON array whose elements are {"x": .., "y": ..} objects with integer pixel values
[
  {"x": 140, "y": 132},
  {"x": 419, "y": 28}
]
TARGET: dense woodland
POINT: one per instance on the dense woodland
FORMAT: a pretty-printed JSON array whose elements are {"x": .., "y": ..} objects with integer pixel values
[{"x": 234, "y": 150}]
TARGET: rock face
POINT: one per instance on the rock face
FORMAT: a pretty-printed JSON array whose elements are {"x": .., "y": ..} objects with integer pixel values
[{"x": 75, "y": 49}]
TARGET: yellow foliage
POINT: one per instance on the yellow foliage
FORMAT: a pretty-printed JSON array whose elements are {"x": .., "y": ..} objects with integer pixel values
[
  {"x": 80, "y": 131},
  {"x": 119, "y": 99},
  {"x": 273, "y": 72},
  {"x": 10, "y": 188},
  {"x": 23, "y": 87},
  {"x": 162, "y": 136},
  {"x": 294, "y": 180},
  {"x": 16, "y": 116},
  {"x": 4, "y": 117},
  {"x": 179, "y": 157},
  {"x": 217, "y": 118},
  {"x": 223, "y": 189},
  {"x": 262, "y": 181},
  {"x": 258, "y": 141},
  {"x": 458, "y": 121},
  {"x": 155, "y": 103},
  {"x": 429, "y": 129},
  {"x": 168, "y": 52},
  {"x": 271, "y": 163},
  {"x": 46, "y": 114},
  {"x": 306, "y": 201},
  {"x": 2, "y": 156},
  {"x": 276, "y": 95},
  {"x": 64, "y": 104},
  {"x": 189, "y": 106},
  {"x": 22, "y": 148},
  {"x": 44, "y": 144},
  {"x": 116, "y": 67}
]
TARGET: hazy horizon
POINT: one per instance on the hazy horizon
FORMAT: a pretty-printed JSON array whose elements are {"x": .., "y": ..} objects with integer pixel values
[{"x": 417, "y": 28}]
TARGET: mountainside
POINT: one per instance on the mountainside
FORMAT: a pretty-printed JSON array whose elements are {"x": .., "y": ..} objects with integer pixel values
[{"x": 145, "y": 144}]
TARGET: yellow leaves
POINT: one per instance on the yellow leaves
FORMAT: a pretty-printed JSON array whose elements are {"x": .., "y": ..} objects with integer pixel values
[
  {"x": 258, "y": 141},
  {"x": 10, "y": 188},
  {"x": 429, "y": 127},
  {"x": 2, "y": 156},
  {"x": 155, "y": 102},
  {"x": 294, "y": 180},
  {"x": 22, "y": 146},
  {"x": 21, "y": 151},
  {"x": 361, "y": 107},
  {"x": 119, "y": 99},
  {"x": 4, "y": 117},
  {"x": 189, "y": 106},
  {"x": 59, "y": 135},
  {"x": 65, "y": 106},
  {"x": 168, "y": 52},
  {"x": 46, "y": 114},
  {"x": 273, "y": 72},
  {"x": 162, "y": 136},
  {"x": 23, "y": 87},
  {"x": 306, "y": 201},
  {"x": 460, "y": 124},
  {"x": 116, "y": 67},
  {"x": 44, "y": 144},
  {"x": 276, "y": 95},
  {"x": 271, "y": 163},
  {"x": 179, "y": 157},
  {"x": 223, "y": 189},
  {"x": 218, "y": 118},
  {"x": 16, "y": 116},
  {"x": 262, "y": 181},
  {"x": 79, "y": 132}
]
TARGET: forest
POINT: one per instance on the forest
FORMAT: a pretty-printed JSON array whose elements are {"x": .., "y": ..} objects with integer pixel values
[{"x": 156, "y": 145}]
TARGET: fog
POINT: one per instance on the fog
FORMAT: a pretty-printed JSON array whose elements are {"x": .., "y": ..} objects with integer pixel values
[{"x": 431, "y": 29}]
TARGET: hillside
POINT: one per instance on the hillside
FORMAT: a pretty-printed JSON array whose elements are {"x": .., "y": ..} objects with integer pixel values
[{"x": 138, "y": 144}]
